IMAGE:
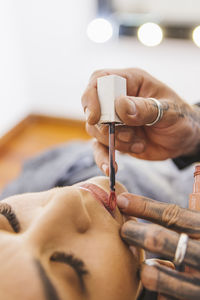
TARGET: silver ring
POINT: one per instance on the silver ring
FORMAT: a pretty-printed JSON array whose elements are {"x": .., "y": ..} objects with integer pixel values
[
  {"x": 181, "y": 249},
  {"x": 160, "y": 112}
]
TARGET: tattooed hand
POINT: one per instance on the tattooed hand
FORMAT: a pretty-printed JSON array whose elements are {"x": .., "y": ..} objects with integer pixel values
[
  {"x": 176, "y": 134},
  {"x": 163, "y": 241}
]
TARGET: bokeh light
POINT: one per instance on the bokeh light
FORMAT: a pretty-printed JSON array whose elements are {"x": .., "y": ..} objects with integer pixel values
[
  {"x": 150, "y": 34},
  {"x": 196, "y": 36},
  {"x": 99, "y": 30}
]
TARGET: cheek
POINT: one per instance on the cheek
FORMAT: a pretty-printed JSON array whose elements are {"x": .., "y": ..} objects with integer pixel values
[
  {"x": 113, "y": 269},
  {"x": 124, "y": 272},
  {"x": 19, "y": 279}
]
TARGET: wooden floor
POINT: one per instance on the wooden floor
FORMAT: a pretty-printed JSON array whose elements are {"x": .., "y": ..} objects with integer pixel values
[{"x": 33, "y": 135}]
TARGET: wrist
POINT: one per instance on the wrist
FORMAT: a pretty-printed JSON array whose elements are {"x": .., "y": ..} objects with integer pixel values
[
  {"x": 195, "y": 122},
  {"x": 192, "y": 136}
]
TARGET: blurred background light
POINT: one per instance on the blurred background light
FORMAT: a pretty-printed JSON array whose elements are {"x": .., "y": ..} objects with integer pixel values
[
  {"x": 150, "y": 34},
  {"x": 99, "y": 30},
  {"x": 196, "y": 36}
]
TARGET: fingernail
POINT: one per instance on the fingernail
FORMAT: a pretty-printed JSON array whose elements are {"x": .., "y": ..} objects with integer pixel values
[
  {"x": 103, "y": 128},
  {"x": 131, "y": 109},
  {"x": 151, "y": 262},
  {"x": 122, "y": 202},
  {"x": 104, "y": 167},
  {"x": 137, "y": 147},
  {"x": 116, "y": 167},
  {"x": 87, "y": 113},
  {"x": 124, "y": 136},
  {"x": 97, "y": 126}
]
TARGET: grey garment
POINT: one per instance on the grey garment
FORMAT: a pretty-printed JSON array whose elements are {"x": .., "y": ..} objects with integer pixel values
[{"x": 72, "y": 163}]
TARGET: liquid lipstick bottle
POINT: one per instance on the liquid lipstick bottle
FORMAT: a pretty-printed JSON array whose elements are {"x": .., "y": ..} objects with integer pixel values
[
  {"x": 194, "y": 199},
  {"x": 194, "y": 204}
]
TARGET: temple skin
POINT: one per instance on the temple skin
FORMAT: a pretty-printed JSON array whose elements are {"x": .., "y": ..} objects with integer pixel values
[{"x": 68, "y": 220}]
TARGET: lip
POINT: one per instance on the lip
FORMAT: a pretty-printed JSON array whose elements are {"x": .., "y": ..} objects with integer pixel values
[{"x": 99, "y": 194}]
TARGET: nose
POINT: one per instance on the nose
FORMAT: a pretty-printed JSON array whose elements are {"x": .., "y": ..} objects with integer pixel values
[{"x": 63, "y": 218}]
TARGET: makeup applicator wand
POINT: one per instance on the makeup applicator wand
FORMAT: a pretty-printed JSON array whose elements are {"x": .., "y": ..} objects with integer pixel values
[
  {"x": 109, "y": 88},
  {"x": 112, "y": 196}
]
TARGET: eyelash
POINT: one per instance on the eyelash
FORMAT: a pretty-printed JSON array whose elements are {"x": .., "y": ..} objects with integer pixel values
[
  {"x": 74, "y": 262},
  {"x": 7, "y": 211}
]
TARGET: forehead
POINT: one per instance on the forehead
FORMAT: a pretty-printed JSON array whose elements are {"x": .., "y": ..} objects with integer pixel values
[{"x": 18, "y": 273}]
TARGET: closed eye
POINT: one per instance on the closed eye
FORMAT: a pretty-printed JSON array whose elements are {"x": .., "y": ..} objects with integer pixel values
[
  {"x": 77, "y": 264},
  {"x": 7, "y": 211}
]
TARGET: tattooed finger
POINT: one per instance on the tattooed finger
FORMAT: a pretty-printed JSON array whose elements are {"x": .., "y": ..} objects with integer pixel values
[
  {"x": 168, "y": 215},
  {"x": 170, "y": 282},
  {"x": 160, "y": 240}
]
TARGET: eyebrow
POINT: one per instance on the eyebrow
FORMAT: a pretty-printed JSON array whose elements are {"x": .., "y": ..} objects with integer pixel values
[{"x": 49, "y": 289}]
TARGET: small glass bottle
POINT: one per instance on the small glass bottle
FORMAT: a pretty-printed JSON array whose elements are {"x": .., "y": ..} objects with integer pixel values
[{"x": 194, "y": 199}]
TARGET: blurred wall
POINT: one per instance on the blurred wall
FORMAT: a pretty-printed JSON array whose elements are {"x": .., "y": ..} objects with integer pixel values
[
  {"x": 46, "y": 59},
  {"x": 169, "y": 10},
  {"x": 13, "y": 83}
]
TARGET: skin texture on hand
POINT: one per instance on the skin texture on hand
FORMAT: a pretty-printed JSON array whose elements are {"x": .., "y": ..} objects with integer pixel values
[
  {"x": 163, "y": 239},
  {"x": 176, "y": 134}
]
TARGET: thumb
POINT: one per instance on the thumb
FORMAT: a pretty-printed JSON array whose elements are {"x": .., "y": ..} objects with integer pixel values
[
  {"x": 136, "y": 205},
  {"x": 124, "y": 202},
  {"x": 136, "y": 111}
]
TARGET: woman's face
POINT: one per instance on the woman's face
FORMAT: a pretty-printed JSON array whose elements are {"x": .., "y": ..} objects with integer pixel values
[{"x": 67, "y": 246}]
